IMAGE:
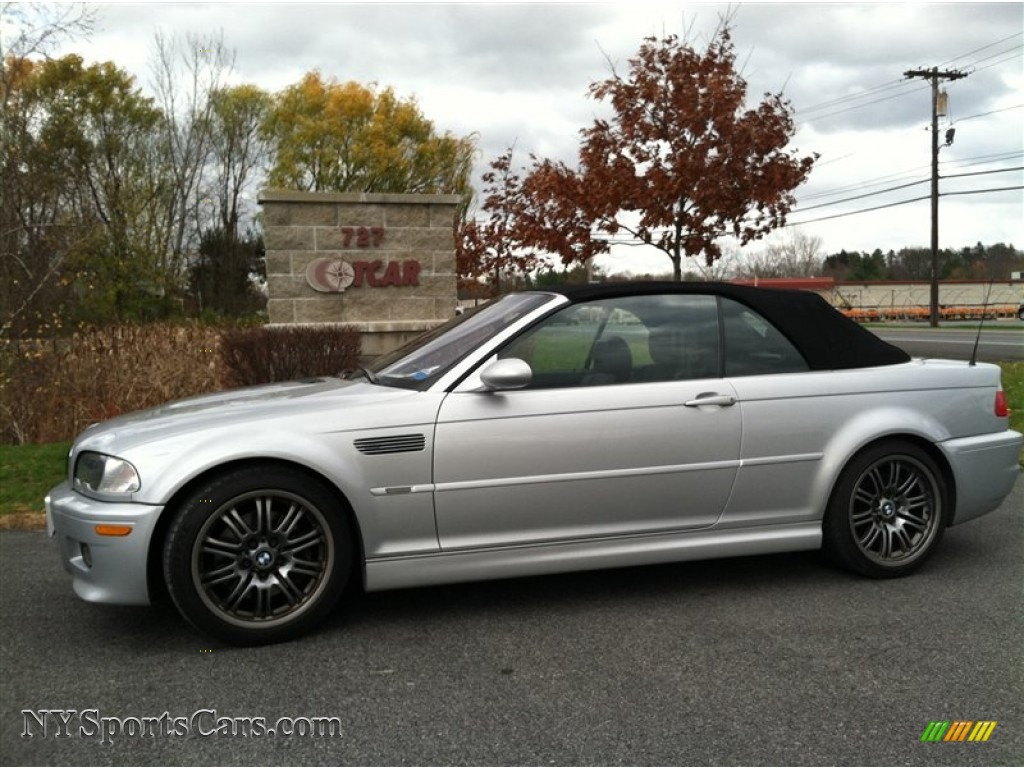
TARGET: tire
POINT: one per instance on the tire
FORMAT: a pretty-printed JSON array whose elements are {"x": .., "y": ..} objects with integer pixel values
[
  {"x": 258, "y": 555},
  {"x": 888, "y": 511}
]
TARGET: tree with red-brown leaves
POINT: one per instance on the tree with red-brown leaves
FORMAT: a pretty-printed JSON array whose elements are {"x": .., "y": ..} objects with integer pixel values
[
  {"x": 525, "y": 220},
  {"x": 494, "y": 246},
  {"x": 681, "y": 163}
]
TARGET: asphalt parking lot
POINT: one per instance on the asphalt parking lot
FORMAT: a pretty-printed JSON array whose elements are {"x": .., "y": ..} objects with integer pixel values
[{"x": 764, "y": 661}]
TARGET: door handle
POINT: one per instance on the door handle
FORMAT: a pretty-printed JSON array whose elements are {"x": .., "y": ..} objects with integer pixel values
[{"x": 711, "y": 398}]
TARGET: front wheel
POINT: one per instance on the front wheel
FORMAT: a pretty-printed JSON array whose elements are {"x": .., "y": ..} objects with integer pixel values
[
  {"x": 258, "y": 555},
  {"x": 887, "y": 512}
]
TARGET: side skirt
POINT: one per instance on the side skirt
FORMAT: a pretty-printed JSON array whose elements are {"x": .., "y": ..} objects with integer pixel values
[{"x": 539, "y": 559}]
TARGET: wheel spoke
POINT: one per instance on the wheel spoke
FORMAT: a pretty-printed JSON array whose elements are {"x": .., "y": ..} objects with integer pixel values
[
  {"x": 307, "y": 567},
  {"x": 864, "y": 496},
  {"x": 234, "y": 521},
  {"x": 904, "y": 488},
  {"x": 876, "y": 478},
  {"x": 262, "y": 512},
  {"x": 862, "y": 516},
  {"x": 261, "y": 608},
  {"x": 291, "y": 592},
  {"x": 239, "y": 591},
  {"x": 299, "y": 543},
  {"x": 289, "y": 521},
  {"x": 917, "y": 502},
  {"x": 885, "y": 550},
  {"x": 218, "y": 548},
  {"x": 221, "y": 575},
  {"x": 868, "y": 539}
]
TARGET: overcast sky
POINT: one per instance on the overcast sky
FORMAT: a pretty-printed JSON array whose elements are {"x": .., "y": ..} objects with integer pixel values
[{"x": 520, "y": 73}]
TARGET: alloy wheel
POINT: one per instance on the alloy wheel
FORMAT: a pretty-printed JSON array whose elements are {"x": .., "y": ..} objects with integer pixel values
[
  {"x": 262, "y": 558},
  {"x": 894, "y": 510}
]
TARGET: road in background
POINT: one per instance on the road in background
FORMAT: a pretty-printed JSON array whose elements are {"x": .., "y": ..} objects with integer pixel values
[
  {"x": 955, "y": 342},
  {"x": 777, "y": 660}
]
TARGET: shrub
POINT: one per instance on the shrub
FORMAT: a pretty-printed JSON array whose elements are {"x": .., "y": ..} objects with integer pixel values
[
  {"x": 262, "y": 355},
  {"x": 51, "y": 389}
]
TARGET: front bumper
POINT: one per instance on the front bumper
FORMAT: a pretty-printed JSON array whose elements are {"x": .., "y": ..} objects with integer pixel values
[
  {"x": 985, "y": 467},
  {"x": 106, "y": 569}
]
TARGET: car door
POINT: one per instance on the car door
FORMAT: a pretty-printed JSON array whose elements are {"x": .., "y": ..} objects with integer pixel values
[
  {"x": 627, "y": 428},
  {"x": 789, "y": 415}
]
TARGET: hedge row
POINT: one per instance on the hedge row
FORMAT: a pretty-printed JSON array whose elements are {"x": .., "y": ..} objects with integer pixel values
[{"x": 52, "y": 389}]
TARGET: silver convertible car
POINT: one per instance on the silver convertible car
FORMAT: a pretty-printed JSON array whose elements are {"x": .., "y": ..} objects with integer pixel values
[{"x": 579, "y": 428}]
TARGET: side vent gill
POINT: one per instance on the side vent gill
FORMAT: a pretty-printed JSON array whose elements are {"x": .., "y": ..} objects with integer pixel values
[{"x": 376, "y": 446}]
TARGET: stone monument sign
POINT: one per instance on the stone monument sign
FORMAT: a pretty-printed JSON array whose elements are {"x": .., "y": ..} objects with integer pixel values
[{"x": 382, "y": 263}]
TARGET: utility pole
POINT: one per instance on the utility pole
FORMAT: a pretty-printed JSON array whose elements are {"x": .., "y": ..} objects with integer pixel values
[{"x": 935, "y": 75}]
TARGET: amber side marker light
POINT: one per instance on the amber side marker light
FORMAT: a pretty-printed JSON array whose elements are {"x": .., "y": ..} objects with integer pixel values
[
  {"x": 1002, "y": 409},
  {"x": 113, "y": 530}
]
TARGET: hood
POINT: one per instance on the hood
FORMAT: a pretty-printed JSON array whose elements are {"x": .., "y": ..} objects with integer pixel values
[{"x": 251, "y": 404}]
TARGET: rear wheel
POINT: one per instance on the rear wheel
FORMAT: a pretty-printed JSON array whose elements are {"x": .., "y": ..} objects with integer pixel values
[
  {"x": 888, "y": 511},
  {"x": 258, "y": 555}
]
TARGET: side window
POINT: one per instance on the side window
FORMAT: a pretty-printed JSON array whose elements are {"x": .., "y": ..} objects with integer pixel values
[
  {"x": 621, "y": 341},
  {"x": 581, "y": 346},
  {"x": 754, "y": 346},
  {"x": 683, "y": 339}
]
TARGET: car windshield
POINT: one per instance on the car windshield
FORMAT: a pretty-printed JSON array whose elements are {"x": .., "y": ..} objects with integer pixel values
[{"x": 422, "y": 361}]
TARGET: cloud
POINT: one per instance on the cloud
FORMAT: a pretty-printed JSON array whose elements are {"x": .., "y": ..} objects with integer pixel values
[{"x": 519, "y": 73}]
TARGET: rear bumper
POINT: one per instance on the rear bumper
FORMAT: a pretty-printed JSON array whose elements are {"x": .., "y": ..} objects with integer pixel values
[
  {"x": 106, "y": 569},
  {"x": 985, "y": 467}
]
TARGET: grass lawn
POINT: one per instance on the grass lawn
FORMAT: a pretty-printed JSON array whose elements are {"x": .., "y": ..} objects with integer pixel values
[
  {"x": 27, "y": 472},
  {"x": 1013, "y": 385}
]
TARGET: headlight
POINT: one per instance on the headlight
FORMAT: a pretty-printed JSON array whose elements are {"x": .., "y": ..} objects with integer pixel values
[{"x": 99, "y": 473}]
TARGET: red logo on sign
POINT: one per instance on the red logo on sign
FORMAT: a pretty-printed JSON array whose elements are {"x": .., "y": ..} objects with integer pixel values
[{"x": 335, "y": 275}]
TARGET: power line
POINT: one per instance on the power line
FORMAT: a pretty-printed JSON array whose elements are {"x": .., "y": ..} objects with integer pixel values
[
  {"x": 986, "y": 114},
  {"x": 983, "y": 48},
  {"x": 854, "y": 213},
  {"x": 861, "y": 197},
  {"x": 982, "y": 159},
  {"x": 897, "y": 204},
  {"x": 983, "y": 173},
  {"x": 996, "y": 63},
  {"x": 899, "y": 176},
  {"x": 981, "y": 191},
  {"x": 905, "y": 92},
  {"x": 866, "y": 93},
  {"x": 904, "y": 186},
  {"x": 995, "y": 55},
  {"x": 807, "y": 114},
  {"x": 892, "y": 178}
]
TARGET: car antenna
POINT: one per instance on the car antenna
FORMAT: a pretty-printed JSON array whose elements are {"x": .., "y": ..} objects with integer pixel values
[{"x": 981, "y": 324}]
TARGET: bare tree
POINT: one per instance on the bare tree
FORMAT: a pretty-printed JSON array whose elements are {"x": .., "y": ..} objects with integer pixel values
[
  {"x": 794, "y": 255},
  {"x": 187, "y": 73},
  {"x": 35, "y": 29}
]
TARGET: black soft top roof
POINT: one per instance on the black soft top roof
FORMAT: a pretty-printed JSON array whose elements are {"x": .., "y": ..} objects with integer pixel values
[{"x": 827, "y": 339}]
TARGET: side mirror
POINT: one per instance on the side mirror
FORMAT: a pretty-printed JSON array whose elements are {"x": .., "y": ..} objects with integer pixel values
[{"x": 510, "y": 373}]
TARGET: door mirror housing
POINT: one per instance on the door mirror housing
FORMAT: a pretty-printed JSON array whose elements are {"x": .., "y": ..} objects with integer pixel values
[{"x": 509, "y": 373}]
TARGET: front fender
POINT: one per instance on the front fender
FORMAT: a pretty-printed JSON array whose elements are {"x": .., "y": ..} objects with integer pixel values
[{"x": 388, "y": 524}]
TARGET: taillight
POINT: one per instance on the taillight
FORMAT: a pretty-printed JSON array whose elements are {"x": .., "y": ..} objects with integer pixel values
[{"x": 1002, "y": 410}]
